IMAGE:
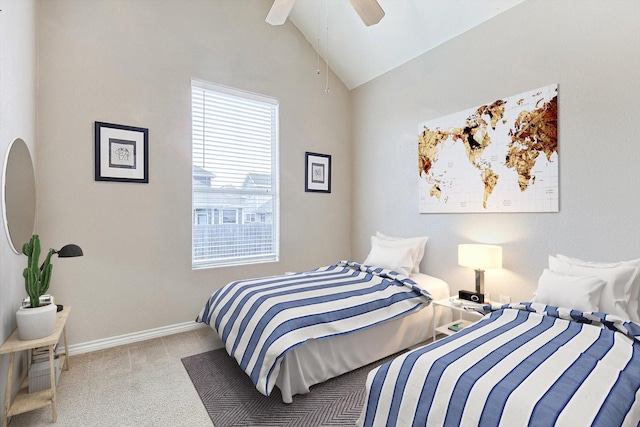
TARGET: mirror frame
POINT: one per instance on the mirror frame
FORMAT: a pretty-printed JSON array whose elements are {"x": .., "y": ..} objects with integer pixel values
[{"x": 18, "y": 195}]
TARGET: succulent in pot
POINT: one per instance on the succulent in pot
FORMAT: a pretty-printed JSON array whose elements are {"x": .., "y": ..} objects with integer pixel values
[
  {"x": 36, "y": 278},
  {"x": 36, "y": 321},
  {"x": 39, "y": 320}
]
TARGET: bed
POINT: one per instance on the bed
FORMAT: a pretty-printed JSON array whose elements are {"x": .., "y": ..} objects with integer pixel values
[
  {"x": 316, "y": 361},
  {"x": 299, "y": 358},
  {"x": 570, "y": 357},
  {"x": 279, "y": 339}
]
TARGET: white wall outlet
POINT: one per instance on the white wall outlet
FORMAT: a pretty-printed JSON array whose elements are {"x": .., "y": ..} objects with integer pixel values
[
  {"x": 487, "y": 297},
  {"x": 504, "y": 299}
]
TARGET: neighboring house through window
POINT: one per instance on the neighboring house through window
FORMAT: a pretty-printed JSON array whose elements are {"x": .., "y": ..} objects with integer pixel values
[{"x": 235, "y": 186}]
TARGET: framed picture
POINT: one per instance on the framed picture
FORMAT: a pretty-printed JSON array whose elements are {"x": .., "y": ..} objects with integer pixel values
[
  {"x": 317, "y": 173},
  {"x": 122, "y": 153}
]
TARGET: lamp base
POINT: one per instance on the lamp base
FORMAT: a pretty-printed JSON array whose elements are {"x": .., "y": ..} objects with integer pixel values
[{"x": 471, "y": 296}]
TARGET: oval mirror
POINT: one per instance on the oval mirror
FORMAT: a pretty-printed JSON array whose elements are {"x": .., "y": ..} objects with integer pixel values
[{"x": 18, "y": 195}]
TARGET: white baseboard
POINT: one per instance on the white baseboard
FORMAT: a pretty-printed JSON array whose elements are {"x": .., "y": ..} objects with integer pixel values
[{"x": 104, "y": 343}]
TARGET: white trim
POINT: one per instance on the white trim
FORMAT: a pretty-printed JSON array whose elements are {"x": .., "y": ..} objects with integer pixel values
[
  {"x": 104, "y": 343},
  {"x": 230, "y": 91}
]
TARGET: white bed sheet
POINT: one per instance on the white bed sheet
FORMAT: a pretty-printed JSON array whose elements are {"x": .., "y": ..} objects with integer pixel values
[{"x": 319, "y": 360}]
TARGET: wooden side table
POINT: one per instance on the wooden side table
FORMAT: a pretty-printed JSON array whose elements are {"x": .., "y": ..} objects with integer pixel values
[{"x": 25, "y": 401}]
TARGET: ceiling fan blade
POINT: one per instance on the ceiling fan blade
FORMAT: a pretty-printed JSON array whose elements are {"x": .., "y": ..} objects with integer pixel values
[
  {"x": 369, "y": 11},
  {"x": 279, "y": 11}
]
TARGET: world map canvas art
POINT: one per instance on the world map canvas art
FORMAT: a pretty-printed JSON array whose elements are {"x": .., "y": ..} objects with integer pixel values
[{"x": 498, "y": 157}]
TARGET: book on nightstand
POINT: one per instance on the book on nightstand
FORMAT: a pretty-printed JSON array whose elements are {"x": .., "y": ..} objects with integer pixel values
[
  {"x": 41, "y": 354},
  {"x": 40, "y": 377},
  {"x": 456, "y": 326}
]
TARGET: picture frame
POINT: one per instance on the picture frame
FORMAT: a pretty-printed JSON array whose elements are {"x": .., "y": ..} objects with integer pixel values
[
  {"x": 317, "y": 173},
  {"x": 121, "y": 153}
]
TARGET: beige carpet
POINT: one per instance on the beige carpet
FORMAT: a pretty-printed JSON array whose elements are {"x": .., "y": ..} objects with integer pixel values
[{"x": 140, "y": 385}]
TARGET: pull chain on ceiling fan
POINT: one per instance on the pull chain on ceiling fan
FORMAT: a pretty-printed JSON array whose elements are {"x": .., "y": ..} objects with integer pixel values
[{"x": 369, "y": 11}]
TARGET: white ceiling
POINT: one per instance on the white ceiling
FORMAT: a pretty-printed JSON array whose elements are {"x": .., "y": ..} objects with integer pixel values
[{"x": 357, "y": 53}]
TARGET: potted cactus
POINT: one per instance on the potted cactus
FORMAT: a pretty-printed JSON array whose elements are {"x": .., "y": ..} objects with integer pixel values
[
  {"x": 36, "y": 279},
  {"x": 36, "y": 321}
]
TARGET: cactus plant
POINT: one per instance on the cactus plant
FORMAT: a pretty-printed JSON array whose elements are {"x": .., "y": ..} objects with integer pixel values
[{"x": 36, "y": 278}]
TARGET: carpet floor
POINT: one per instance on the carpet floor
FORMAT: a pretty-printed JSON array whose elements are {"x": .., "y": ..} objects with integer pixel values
[{"x": 231, "y": 399}]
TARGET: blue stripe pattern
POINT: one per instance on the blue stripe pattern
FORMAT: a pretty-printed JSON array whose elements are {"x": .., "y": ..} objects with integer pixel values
[
  {"x": 260, "y": 320},
  {"x": 550, "y": 405},
  {"x": 432, "y": 385},
  {"x": 497, "y": 399},
  {"x": 463, "y": 388}
]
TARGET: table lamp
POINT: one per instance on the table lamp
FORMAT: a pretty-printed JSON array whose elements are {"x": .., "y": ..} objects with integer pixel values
[{"x": 480, "y": 258}]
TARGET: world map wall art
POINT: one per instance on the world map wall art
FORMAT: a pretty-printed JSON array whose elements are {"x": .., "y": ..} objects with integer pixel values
[{"x": 498, "y": 157}]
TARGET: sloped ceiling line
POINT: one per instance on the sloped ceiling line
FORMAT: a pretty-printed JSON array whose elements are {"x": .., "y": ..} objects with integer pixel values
[{"x": 358, "y": 54}]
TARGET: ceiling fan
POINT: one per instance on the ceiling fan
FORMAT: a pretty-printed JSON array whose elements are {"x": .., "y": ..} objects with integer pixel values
[{"x": 369, "y": 11}]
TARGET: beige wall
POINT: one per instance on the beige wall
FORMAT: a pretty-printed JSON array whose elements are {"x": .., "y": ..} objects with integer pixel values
[
  {"x": 591, "y": 51},
  {"x": 131, "y": 63},
  {"x": 17, "y": 120}
]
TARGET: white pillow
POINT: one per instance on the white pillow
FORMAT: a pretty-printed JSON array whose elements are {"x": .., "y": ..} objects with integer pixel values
[
  {"x": 580, "y": 293},
  {"x": 397, "y": 259},
  {"x": 416, "y": 243},
  {"x": 634, "y": 301},
  {"x": 615, "y": 294}
]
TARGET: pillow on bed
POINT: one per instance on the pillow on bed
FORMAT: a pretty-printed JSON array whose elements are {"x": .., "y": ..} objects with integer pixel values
[
  {"x": 617, "y": 291},
  {"x": 560, "y": 290},
  {"x": 398, "y": 259},
  {"x": 634, "y": 301},
  {"x": 416, "y": 243}
]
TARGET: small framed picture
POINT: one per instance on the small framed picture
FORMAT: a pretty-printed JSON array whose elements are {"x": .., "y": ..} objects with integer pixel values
[
  {"x": 317, "y": 173},
  {"x": 121, "y": 153}
]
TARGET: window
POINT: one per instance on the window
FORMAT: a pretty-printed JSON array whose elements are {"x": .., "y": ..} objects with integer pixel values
[
  {"x": 235, "y": 180},
  {"x": 229, "y": 216},
  {"x": 202, "y": 216}
]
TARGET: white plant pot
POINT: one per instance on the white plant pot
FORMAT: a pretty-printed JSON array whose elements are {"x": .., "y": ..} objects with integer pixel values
[{"x": 38, "y": 322}]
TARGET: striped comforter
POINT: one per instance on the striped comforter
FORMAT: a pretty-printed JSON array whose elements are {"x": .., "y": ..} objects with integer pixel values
[
  {"x": 522, "y": 365},
  {"x": 259, "y": 320}
]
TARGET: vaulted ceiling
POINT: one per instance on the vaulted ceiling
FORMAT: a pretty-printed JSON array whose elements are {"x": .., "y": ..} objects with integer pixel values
[{"x": 358, "y": 54}]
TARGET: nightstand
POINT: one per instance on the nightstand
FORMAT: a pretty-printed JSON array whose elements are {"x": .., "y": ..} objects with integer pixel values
[
  {"x": 26, "y": 401},
  {"x": 447, "y": 302}
]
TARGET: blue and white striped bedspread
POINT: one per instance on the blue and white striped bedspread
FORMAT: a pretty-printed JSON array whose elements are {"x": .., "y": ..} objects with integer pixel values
[
  {"x": 522, "y": 365},
  {"x": 259, "y": 320}
]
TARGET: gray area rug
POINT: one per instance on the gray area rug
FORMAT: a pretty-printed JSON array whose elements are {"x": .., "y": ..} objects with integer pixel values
[{"x": 231, "y": 399}]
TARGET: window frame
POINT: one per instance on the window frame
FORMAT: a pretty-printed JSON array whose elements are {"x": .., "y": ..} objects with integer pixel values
[{"x": 217, "y": 212}]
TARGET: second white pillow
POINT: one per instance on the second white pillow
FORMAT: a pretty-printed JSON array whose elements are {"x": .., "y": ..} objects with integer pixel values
[
  {"x": 633, "y": 304},
  {"x": 617, "y": 290},
  {"x": 397, "y": 259},
  {"x": 417, "y": 245},
  {"x": 577, "y": 292}
]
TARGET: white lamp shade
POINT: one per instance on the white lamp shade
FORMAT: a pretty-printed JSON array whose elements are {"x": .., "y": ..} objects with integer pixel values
[{"x": 480, "y": 257}]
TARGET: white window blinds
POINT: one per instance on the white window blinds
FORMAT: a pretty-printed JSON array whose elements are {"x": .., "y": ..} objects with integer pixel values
[{"x": 235, "y": 180}]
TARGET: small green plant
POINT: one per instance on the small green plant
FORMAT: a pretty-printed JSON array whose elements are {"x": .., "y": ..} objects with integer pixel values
[{"x": 36, "y": 278}]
